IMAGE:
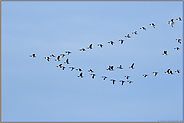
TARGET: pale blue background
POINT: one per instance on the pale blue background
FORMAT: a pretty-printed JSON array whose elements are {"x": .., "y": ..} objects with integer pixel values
[{"x": 33, "y": 89}]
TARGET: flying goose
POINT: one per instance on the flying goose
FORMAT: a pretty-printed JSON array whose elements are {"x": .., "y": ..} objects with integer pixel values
[
  {"x": 167, "y": 72},
  {"x": 66, "y": 62},
  {"x": 82, "y": 49},
  {"x": 179, "y": 19},
  {"x": 52, "y": 55},
  {"x": 100, "y": 45},
  {"x": 177, "y": 48},
  {"x": 79, "y": 69},
  {"x": 62, "y": 55},
  {"x": 120, "y": 67},
  {"x": 177, "y": 71},
  {"x": 71, "y": 68},
  {"x": 127, "y": 36},
  {"x": 59, "y": 66},
  {"x": 110, "y": 68},
  {"x": 93, "y": 75},
  {"x": 121, "y": 82},
  {"x": 134, "y": 32},
  {"x": 112, "y": 81},
  {"x": 152, "y": 24},
  {"x": 145, "y": 75},
  {"x": 67, "y": 52},
  {"x": 104, "y": 77},
  {"x": 90, "y": 70},
  {"x": 33, "y": 55},
  {"x": 63, "y": 67},
  {"x": 80, "y": 76},
  {"x": 171, "y": 22},
  {"x": 111, "y": 42},
  {"x": 47, "y": 58},
  {"x": 57, "y": 58},
  {"x": 178, "y": 40},
  {"x": 129, "y": 81},
  {"x": 127, "y": 77},
  {"x": 90, "y": 46},
  {"x": 121, "y": 41},
  {"x": 165, "y": 53},
  {"x": 155, "y": 73},
  {"x": 132, "y": 66},
  {"x": 143, "y": 28},
  {"x": 170, "y": 72}
]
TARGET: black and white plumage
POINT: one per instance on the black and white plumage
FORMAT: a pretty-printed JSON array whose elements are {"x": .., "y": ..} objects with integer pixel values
[
  {"x": 59, "y": 66},
  {"x": 127, "y": 36},
  {"x": 110, "y": 68},
  {"x": 52, "y": 55},
  {"x": 129, "y": 81},
  {"x": 100, "y": 45},
  {"x": 120, "y": 67},
  {"x": 113, "y": 81},
  {"x": 80, "y": 76},
  {"x": 47, "y": 58},
  {"x": 143, "y": 28},
  {"x": 62, "y": 67},
  {"x": 135, "y": 33},
  {"x": 155, "y": 73},
  {"x": 179, "y": 19},
  {"x": 67, "y": 52},
  {"x": 121, "y": 82},
  {"x": 121, "y": 41},
  {"x": 170, "y": 72},
  {"x": 111, "y": 42},
  {"x": 71, "y": 68},
  {"x": 62, "y": 55},
  {"x": 92, "y": 75},
  {"x": 104, "y": 77},
  {"x": 82, "y": 49},
  {"x": 145, "y": 75},
  {"x": 78, "y": 69},
  {"x": 90, "y": 70},
  {"x": 33, "y": 55},
  {"x": 171, "y": 22},
  {"x": 178, "y": 40},
  {"x": 66, "y": 62},
  {"x": 127, "y": 77},
  {"x": 167, "y": 72},
  {"x": 132, "y": 66},
  {"x": 90, "y": 46},
  {"x": 57, "y": 58},
  {"x": 152, "y": 24},
  {"x": 177, "y": 48},
  {"x": 165, "y": 53},
  {"x": 177, "y": 71}
]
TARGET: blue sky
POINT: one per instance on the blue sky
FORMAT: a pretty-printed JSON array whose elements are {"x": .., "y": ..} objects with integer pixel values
[{"x": 36, "y": 90}]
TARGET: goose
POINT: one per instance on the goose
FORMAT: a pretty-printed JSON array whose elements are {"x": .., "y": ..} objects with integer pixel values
[
  {"x": 121, "y": 82},
  {"x": 135, "y": 33},
  {"x": 90, "y": 70},
  {"x": 143, "y": 28},
  {"x": 110, "y": 68},
  {"x": 82, "y": 49},
  {"x": 127, "y": 77},
  {"x": 171, "y": 22},
  {"x": 59, "y": 66},
  {"x": 93, "y": 75},
  {"x": 167, "y": 72},
  {"x": 112, "y": 81},
  {"x": 155, "y": 73},
  {"x": 129, "y": 81},
  {"x": 80, "y": 76},
  {"x": 66, "y": 62},
  {"x": 152, "y": 24},
  {"x": 145, "y": 75},
  {"x": 120, "y": 67},
  {"x": 100, "y": 45},
  {"x": 132, "y": 66},
  {"x": 121, "y": 41},
  {"x": 170, "y": 72},
  {"x": 90, "y": 46},
  {"x": 165, "y": 53},
  {"x": 63, "y": 67},
  {"x": 52, "y": 55},
  {"x": 67, "y": 52},
  {"x": 177, "y": 48},
  {"x": 33, "y": 55},
  {"x": 177, "y": 71},
  {"x": 127, "y": 36},
  {"x": 62, "y": 55},
  {"x": 79, "y": 69},
  {"x": 104, "y": 77},
  {"x": 178, "y": 40},
  {"x": 179, "y": 19},
  {"x": 71, "y": 68},
  {"x": 57, "y": 58},
  {"x": 47, "y": 58},
  {"x": 111, "y": 42}
]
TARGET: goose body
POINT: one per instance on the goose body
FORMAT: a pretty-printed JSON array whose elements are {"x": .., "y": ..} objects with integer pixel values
[
  {"x": 152, "y": 24},
  {"x": 143, "y": 28},
  {"x": 121, "y": 82},
  {"x": 59, "y": 66},
  {"x": 71, "y": 68},
  {"x": 62, "y": 67},
  {"x": 167, "y": 72},
  {"x": 90, "y": 46},
  {"x": 178, "y": 40},
  {"x": 111, "y": 42},
  {"x": 67, "y": 52},
  {"x": 79, "y": 69},
  {"x": 177, "y": 48},
  {"x": 52, "y": 55},
  {"x": 47, "y": 58},
  {"x": 62, "y": 55},
  {"x": 80, "y": 76},
  {"x": 104, "y": 77},
  {"x": 165, "y": 53},
  {"x": 33, "y": 55},
  {"x": 155, "y": 73},
  {"x": 92, "y": 75},
  {"x": 82, "y": 49},
  {"x": 66, "y": 62},
  {"x": 57, "y": 58},
  {"x": 171, "y": 22},
  {"x": 129, "y": 81},
  {"x": 135, "y": 33},
  {"x": 100, "y": 45},
  {"x": 113, "y": 81},
  {"x": 177, "y": 71},
  {"x": 132, "y": 66},
  {"x": 127, "y": 77},
  {"x": 127, "y": 36},
  {"x": 120, "y": 67},
  {"x": 121, "y": 41},
  {"x": 110, "y": 68},
  {"x": 145, "y": 75},
  {"x": 90, "y": 70},
  {"x": 179, "y": 19}
]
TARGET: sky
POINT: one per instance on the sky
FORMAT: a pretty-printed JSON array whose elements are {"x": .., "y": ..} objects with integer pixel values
[{"x": 33, "y": 89}]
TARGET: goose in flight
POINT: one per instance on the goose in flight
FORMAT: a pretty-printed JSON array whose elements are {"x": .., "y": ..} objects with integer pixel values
[
  {"x": 152, "y": 24},
  {"x": 47, "y": 58},
  {"x": 155, "y": 73},
  {"x": 52, "y": 55},
  {"x": 66, "y": 62},
  {"x": 127, "y": 36},
  {"x": 59, "y": 66},
  {"x": 71, "y": 68},
  {"x": 178, "y": 40},
  {"x": 62, "y": 67},
  {"x": 67, "y": 52},
  {"x": 145, "y": 75},
  {"x": 79, "y": 69},
  {"x": 33, "y": 55},
  {"x": 80, "y": 76},
  {"x": 165, "y": 53},
  {"x": 82, "y": 49},
  {"x": 170, "y": 72},
  {"x": 120, "y": 67},
  {"x": 121, "y": 82},
  {"x": 90, "y": 70},
  {"x": 111, "y": 42},
  {"x": 179, "y": 19},
  {"x": 57, "y": 58},
  {"x": 135, "y": 33},
  {"x": 129, "y": 81},
  {"x": 90, "y": 46},
  {"x": 92, "y": 75},
  {"x": 104, "y": 77},
  {"x": 167, "y": 72},
  {"x": 177, "y": 48},
  {"x": 100, "y": 45},
  {"x": 143, "y": 28},
  {"x": 127, "y": 77},
  {"x": 62, "y": 55},
  {"x": 171, "y": 22},
  {"x": 110, "y": 68},
  {"x": 121, "y": 41},
  {"x": 177, "y": 71},
  {"x": 132, "y": 66},
  {"x": 112, "y": 81}
]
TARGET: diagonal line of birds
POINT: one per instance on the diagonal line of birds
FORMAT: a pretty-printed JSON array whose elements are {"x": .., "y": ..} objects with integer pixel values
[{"x": 111, "y": 68}]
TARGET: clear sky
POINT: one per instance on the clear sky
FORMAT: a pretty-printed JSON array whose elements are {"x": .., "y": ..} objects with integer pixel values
[{"x": 34, "y": 89}]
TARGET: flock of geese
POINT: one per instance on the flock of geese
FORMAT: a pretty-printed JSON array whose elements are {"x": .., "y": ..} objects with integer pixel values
[{"x": 111, "y": 68}]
